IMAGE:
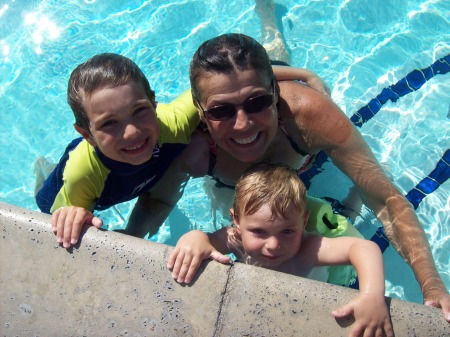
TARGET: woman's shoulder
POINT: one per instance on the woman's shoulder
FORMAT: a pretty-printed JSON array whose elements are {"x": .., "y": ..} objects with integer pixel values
[
  {"x": 314, "y": 113},
  {"x": 297, "y": 98}
]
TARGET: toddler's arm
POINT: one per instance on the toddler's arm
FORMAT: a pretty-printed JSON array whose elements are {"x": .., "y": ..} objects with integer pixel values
[
  {"x": 286, "y": 73},
  {"x": 191, "y": 249},
  {"x": 68, "y": 221},
  {"x": 369, "y": 307}
]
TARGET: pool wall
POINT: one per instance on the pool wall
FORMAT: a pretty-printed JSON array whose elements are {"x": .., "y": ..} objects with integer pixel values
[{"x": 112, "y": 284}]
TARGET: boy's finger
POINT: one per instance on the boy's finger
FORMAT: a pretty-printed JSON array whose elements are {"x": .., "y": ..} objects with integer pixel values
[
  {"x": 55, "y": 216},
  {"x": 96, "y": 222},
  {"x": 60, "y": 221},
  {"x": 172, "y": 258},
  {"x": 68, "y": 224},
  {"x": 79, "y": 220}
]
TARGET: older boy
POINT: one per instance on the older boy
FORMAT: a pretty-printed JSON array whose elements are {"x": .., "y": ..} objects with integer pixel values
[{"x": 128, "y": 142}]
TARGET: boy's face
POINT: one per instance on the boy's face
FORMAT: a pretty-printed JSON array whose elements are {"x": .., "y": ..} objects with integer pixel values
[
  {"x": 123, "y": 123},
  {"x": 271, "y": 242}
]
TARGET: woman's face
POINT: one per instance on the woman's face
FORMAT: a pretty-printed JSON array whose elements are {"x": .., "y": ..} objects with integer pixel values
[{"x": 245, "y": 136}]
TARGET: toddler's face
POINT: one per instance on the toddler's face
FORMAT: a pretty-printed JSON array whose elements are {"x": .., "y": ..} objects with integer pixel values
[
  {"x": 271, "y": 242},
  {"x": 123, "y": 123}
]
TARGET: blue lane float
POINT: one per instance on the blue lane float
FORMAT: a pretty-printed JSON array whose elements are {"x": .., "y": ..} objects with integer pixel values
[
  {"x": 431, "y": 183},
  {"x": 412, "y": 82}
]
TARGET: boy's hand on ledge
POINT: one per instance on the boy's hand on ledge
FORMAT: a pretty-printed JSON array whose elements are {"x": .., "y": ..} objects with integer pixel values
[{"x": 68, "y": 221}]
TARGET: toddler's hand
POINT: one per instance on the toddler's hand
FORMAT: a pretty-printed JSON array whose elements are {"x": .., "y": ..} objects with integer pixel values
[
  {"x": 68, "y": 221},
  {"x": 371, "y": 316},
  {"x": 191, "y": 249}
]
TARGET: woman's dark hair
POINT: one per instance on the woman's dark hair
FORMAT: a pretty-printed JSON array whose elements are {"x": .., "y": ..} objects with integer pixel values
[{"x": 225, "y": 54}]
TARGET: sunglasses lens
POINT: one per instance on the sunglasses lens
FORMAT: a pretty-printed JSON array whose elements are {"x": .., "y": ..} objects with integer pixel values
[
  {"x": 258, "y": 103},
  {"x": 221, "y": 112},
  {"x": 252, "y": 105}
]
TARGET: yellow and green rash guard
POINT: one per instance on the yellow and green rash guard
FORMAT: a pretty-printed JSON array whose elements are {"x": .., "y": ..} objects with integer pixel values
[{"x": 85, "y": 177}]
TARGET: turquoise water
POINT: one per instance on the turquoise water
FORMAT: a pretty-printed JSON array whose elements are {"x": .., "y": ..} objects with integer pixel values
[{"x": 358, "y": 47}]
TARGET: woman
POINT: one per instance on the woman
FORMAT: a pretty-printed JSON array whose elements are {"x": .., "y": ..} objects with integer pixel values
[{"x": 251, "y": 118}]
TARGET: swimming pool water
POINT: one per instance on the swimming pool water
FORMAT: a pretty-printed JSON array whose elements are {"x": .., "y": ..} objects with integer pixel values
[{"x": 358, "y": 47}]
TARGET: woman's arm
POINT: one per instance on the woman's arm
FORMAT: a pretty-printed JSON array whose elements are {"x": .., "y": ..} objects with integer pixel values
[
  {"x": 286, "y": 73},
  {"x": 322, "y": 125},
  {"x": 397, "y": 215}
]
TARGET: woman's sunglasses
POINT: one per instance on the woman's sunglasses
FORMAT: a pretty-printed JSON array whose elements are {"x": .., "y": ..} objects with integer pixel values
[{"x": 251, "y": 105}]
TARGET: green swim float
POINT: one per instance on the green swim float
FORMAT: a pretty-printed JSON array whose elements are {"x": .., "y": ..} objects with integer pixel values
[{"x": 325, "y": 222}]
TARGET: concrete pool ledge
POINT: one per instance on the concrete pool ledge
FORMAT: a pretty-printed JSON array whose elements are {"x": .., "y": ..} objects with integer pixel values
[{"x": 116, "y": 285}]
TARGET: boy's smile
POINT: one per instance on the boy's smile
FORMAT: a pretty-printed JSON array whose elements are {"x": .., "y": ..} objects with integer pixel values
[{"x": 123, "y": 124}]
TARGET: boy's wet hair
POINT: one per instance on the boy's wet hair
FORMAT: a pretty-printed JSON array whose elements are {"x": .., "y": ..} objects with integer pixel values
[
  {"x": 269, "y": 184},
  {"x": 226, "y": 53},
  {"x": 102, "y": 70}
]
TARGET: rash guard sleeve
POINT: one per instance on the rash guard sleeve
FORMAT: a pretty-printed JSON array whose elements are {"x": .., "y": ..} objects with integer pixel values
[{"x": 177, "y": 119}]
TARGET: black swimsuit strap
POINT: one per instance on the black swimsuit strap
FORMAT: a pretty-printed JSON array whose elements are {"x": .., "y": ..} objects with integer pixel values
[
  {"x": 211, "y": 163},
  {"x": 291, "y": 141},
  {"x": 220, "y": 184},
  {"x": 295, "y": 146}
]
